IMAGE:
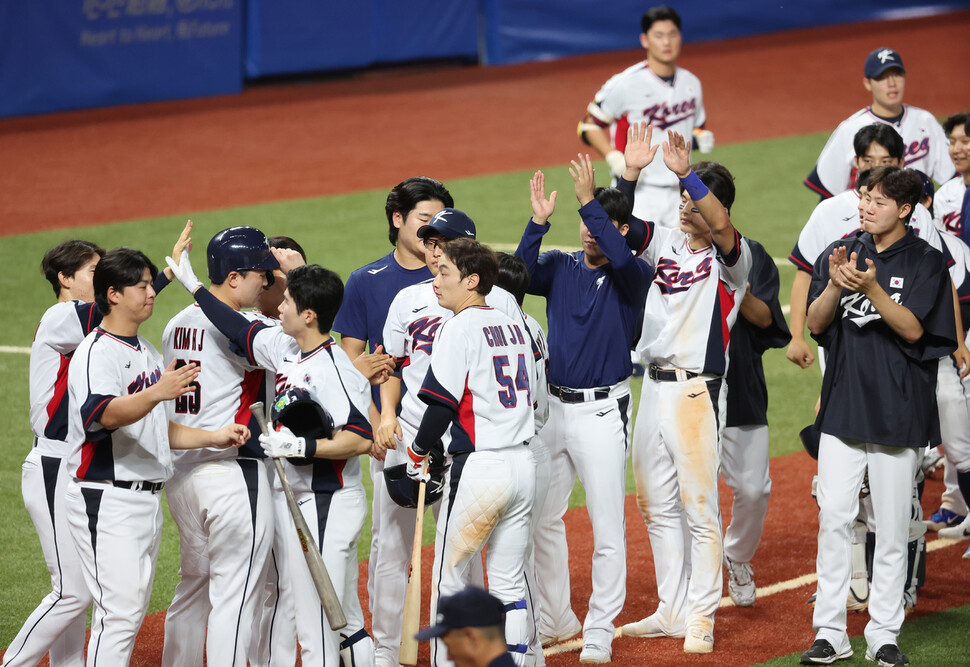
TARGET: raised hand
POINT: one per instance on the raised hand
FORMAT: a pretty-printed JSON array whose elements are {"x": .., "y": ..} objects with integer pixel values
[
  {"x": 638, "y": 152},
  {"x": 836, "y": 260},
  {"x": 856, "y": 280},
  {"x": 677, "y": 154},
  {"x": 182, "y": 271},
  {"x": 542, "y": 208},
  {"x": 582, "y": 172},
  {"x": 184, "y": 242},
  {"x": 176, "y": 382},
  {"x": 288, "y": 258}
]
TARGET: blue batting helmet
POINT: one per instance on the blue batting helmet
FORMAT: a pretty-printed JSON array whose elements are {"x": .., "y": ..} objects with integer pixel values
[
  {"x": 239, "y": 249},
  {"x": 404, "y": 491}
]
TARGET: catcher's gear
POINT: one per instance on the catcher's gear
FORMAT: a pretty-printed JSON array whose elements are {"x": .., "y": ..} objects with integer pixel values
[
  {"x": 239, "y": 249},
  {"x": 403, "y": 490},
  {"x": 295, "y": 409}
]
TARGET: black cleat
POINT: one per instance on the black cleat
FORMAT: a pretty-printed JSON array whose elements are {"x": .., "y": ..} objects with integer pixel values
[
  {"x": 889, "y": 655},
  {"x": 823, "y": 653}
]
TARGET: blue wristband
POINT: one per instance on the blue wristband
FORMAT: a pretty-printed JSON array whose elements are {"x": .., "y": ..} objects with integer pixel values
[{"x": 695, "y": 188}]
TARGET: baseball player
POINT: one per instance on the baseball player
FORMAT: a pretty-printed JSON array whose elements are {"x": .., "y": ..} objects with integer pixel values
[
  {"x": 58, "y": 623},
  {"x": 413, "y": 321},
  {"x": 662, "y": 94},
  {"x": 120, "y": 434},
  {"x": 880, "y": 302},
  {"x": 593, "y": 299},
  {"x": 744, "y": 442},
  {"x": 324, "y": 472},
  {"x": 479, "y": 390},
  {"x": 701, "y": 272},
  {"x": 219, "y": 498},
  {"x": 951, "y": 198},
  {"x": 884, "y": 77}
]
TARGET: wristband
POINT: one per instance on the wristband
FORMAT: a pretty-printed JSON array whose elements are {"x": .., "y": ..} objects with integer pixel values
[{"x": 695, "y": 188}]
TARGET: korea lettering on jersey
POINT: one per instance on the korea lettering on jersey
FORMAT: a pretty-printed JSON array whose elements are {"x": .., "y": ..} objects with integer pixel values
[
  {"x": 947, "y": 205},
  {"x": 483, "y": 369},
  {"x": 925, "y": 148},
  {"x": 60, "y": 331},
  {"x": 413, "y": 322},
  {"x": 637, "y": 94},
  {"x": 692, "y": 303},
  {"x": 223, "y": 391},
  {"x": 105, "y": 367}
]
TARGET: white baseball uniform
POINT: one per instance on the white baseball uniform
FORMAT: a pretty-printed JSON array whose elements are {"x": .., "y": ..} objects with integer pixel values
[
  {"x": 58, "y": 623},
  {"x": 220, "y": 500},
  {"x": 926, "y": 149},
  {"x": 946, "y": 206},
  {"x": 690, "y": 309},
  {"x": 482, "y": 369},
  {"x": 412, "y": 324},
  {"x": 114, "y": 506},
  {"x": 637, "y": 94}
]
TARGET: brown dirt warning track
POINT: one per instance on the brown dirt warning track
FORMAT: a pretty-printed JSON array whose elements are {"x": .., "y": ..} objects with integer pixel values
[{"x": 372, "y": 130}]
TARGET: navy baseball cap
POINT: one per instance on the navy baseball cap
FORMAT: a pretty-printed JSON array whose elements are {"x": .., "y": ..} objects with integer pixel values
[
  {"x": 472, "y": 607},
  {"x": 880, "y": 60},
  {"x": 450, "y": 223}
]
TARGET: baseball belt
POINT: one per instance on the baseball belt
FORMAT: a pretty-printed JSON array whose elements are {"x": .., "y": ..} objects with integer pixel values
[
  {"x": 579, "y": 395},
  {"x": 654, "y": 372},
  {"x": 152, "y": 487}
]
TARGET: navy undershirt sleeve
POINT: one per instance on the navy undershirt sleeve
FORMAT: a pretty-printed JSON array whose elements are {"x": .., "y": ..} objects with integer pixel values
[{"x": 435, "y": 422}]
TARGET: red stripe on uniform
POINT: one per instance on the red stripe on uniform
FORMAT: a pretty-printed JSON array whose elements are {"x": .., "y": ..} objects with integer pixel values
[
  {"x": 466, "y": 413},
  {"x": 249, "y": 392},
  {"x": 87, "y": 455},
  {"x": 60, "y": 387},
  {"x": 619, "y": 139},
  {"x": 726, "y": 302},
  {"x": 338, "y": 470}
]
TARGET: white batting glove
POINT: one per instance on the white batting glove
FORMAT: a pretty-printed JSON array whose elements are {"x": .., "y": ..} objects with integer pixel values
[
  {"x": 282, "y": 444},
  {"x": 705, "y": 140},
  {"x": 617, "y": 163},
  {"x": 416, "y": 469},
  {"x": 183, "y": 272}
]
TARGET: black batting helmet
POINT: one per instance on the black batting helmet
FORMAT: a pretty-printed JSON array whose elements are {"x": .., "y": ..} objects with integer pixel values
[
  {"x": 404, "y": 491},
  {"x": 295, "y": 409},
  {"x": 239, "y": 249}
]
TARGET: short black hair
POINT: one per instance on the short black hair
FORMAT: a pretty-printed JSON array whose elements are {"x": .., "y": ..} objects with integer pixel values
[
  {"x": 661, "y": 13},
  {"x": 862, "y": 178},
  {"x": 286, "y": 243},
  {"x": 617, "y": 205},
  {"x": 119, "y": 268},
  {"x": 718, "y": 180},
  {"x": 470, "y": 257},
  {"x": 513, "y": 275},
  {"x": 315, "y": 288},
  {"x": 407, "y": 194},
  {"x": 962, "y": 118},
  {"x": 67, "y": 258},
  {"x": 882, "y": 134},
  {"x": 904, "y": 186}
]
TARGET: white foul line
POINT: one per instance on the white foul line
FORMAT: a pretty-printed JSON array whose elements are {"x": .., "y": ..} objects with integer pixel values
[
  {"x": 14, "y": 350},
  {"x": 763, "y": 592}
]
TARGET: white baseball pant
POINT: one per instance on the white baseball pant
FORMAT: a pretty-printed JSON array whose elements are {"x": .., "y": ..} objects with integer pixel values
[
  {"x": 744, "y": 458},
  {"x": 841, "y": 467},
  {"x": 117, "y": 533},
  {"x": 59, "y": 622},
  {"x": 532, "y": 575},
  {"x": 676, "y": 461}
]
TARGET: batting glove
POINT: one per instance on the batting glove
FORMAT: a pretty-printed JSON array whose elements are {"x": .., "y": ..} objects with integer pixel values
[
  {"x": 705, "y": 140},
  {"x": 416, "y": 468},
  {"x": 617, "y": 163},
  {"x": 183, "y": 272},
  {"x": 282, "y": 444}
]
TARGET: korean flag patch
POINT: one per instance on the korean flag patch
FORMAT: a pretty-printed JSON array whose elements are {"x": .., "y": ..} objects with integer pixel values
[{"x": 896, "y": 283}]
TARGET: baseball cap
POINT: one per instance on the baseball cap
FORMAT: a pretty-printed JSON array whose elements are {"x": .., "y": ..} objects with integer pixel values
[
  {"x": 450, "y": 223},
  {"x": 880, "y": 60},
  {"x": 472, "y": 607}
]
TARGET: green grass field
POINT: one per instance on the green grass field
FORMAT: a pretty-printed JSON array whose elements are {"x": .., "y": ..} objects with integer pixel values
[{"x": 342, "y": 233}]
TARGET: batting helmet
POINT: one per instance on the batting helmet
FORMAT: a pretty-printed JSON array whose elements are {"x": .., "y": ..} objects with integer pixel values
[
  {"x": 239, "y": 249},
  {"x": 404, "y": 490},
  {"x": 295, "y": 409}
]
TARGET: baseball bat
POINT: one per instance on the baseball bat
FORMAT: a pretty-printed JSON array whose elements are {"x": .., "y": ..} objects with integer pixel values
[
  {"x": 314, "y": 560},
  {"x": 412, "y": 598}
]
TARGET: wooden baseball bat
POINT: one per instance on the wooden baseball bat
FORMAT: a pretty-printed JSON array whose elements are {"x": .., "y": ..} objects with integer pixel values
[
  {"x": 412, "y": 598},
  {"x": 314, "y": 560}
]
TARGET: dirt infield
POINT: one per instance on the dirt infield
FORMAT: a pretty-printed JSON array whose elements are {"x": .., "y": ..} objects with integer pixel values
[{"x": 370, "y": 131}]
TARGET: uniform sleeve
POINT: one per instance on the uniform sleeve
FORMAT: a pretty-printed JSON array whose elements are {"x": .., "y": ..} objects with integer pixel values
[
  {"x": 700, "y": 116},
  {"x": 394, "y": 336},
  {"x": 765, "y": 286},
  {"x": 66, "y": 325},
  {"x": 95, "y": 382},
  {"x": 610, "y": 99},
  {"x": 931, "y": 301},
  {"x": 810, "y": 242},
  {"x": 820, "y": 280},
  {"x": 735, "y": 265},
  {"x": 542, "y": 268},
  {"x": 351, "y": 319},
  {"x": 834, "y": 165},
  {"x": 640, "y": 231},
  {"x": 627, "y": 272},
  {"x": 448, "y": 375}
]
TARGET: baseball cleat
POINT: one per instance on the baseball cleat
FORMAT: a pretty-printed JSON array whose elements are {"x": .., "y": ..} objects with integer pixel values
[
  {"x": 698, "y": 640},
  {"x": 741, "y": 586},
  {"x": 932, "y": 461},
  {"x": 888, "y": 655},
  {"x": 550, "y": 639},
  {"x": 595, "y": 654},
  {"x": 960, "y": 532},
  {"x": 823, "y": 653},
  {"x": 647, "y": 627},
  {"x": 944, "y": 518}
]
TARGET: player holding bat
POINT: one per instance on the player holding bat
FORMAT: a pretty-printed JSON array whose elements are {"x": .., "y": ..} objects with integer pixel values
[{"x": 324, "y": 472}]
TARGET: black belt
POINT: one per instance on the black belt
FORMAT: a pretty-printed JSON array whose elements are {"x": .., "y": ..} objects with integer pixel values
[
  {"x": 572, "y": 396},
  {"x": 152, "y": 487},
  {"x": 654, "y": 372}
]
